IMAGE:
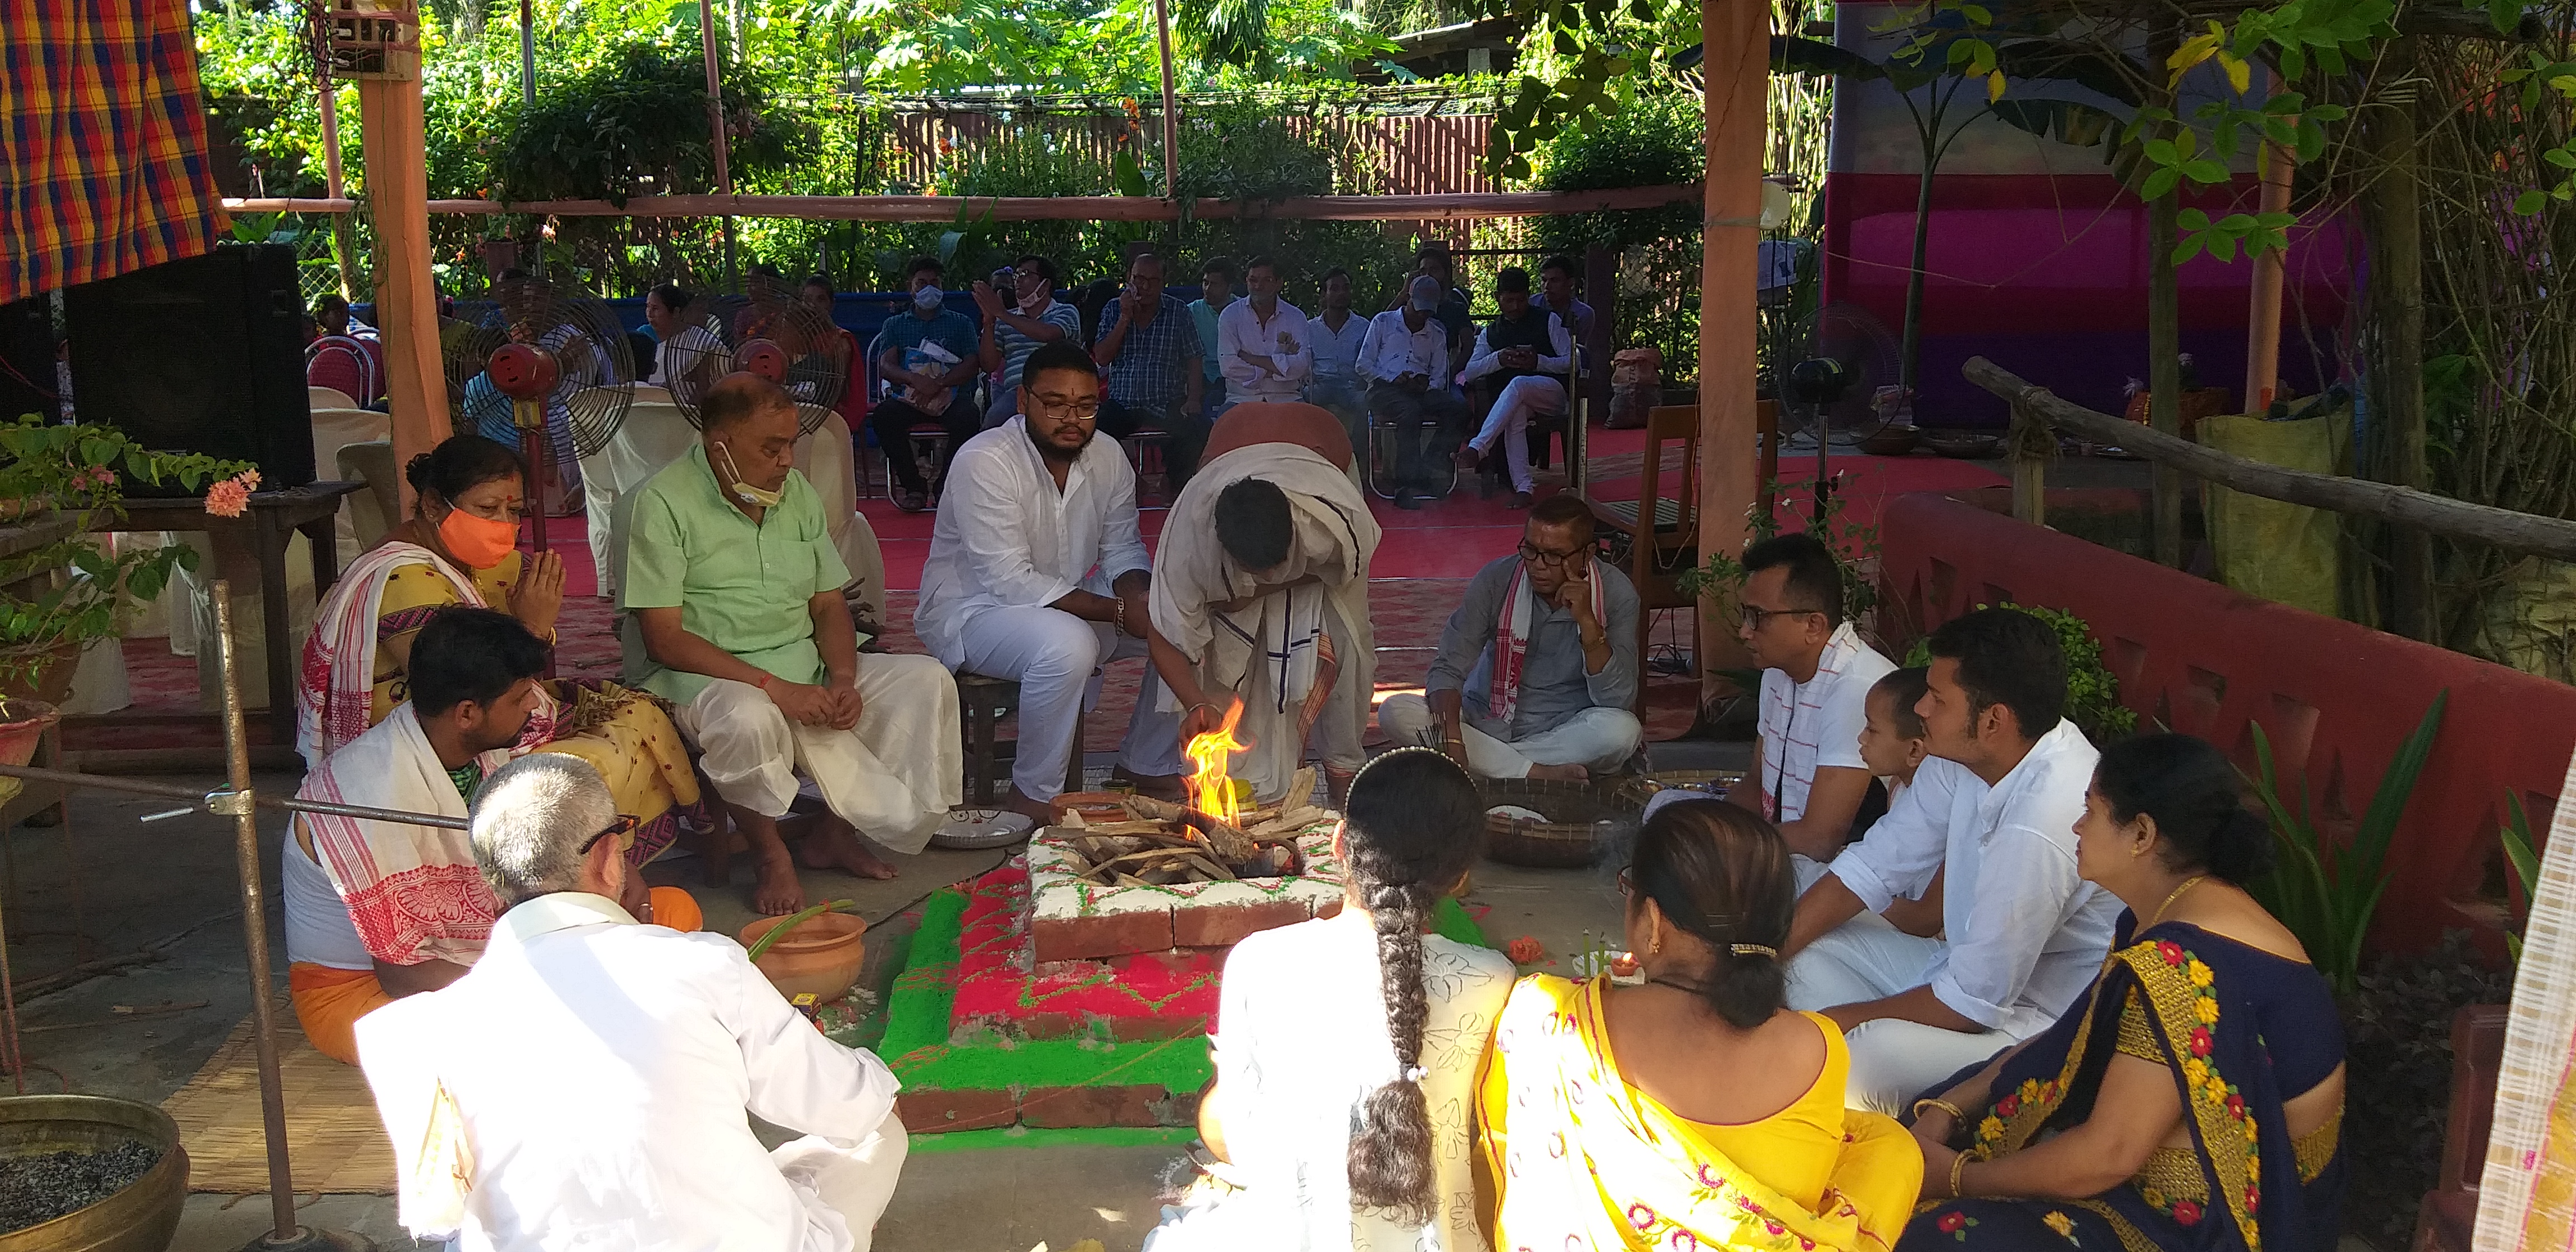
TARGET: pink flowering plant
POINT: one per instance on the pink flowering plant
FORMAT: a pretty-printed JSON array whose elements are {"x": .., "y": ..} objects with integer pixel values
[{"x": 59, "y": 480}]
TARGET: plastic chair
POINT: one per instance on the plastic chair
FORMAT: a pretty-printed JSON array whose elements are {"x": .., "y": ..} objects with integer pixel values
[{"x": 1384, "y": 437}]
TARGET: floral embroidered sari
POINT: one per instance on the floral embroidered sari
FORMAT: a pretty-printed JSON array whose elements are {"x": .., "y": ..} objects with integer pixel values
[
  {"x": 2242, "y": 1032},
  {"x": 1587, "y": 1163}
]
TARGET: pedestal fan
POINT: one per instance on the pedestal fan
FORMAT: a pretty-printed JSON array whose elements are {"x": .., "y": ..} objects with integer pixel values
[
  {"x": 553, "y": 362},
  {"x": 770, "y": 332}
]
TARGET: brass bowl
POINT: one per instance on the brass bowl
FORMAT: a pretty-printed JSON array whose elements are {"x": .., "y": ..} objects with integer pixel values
[{"x": 141, "y": 1218}]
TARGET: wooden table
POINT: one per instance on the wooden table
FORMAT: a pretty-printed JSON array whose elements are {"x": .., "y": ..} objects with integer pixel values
[{"x": 269, "y": 524}]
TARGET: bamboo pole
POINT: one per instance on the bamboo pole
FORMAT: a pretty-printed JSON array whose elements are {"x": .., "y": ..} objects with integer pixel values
[
  {"x": 1449, "y": 206},
  {"x": 1171, "y": 105},
  {"x": 2263, "y": 318},
  {"x": 715, "y": 135},
  {"x": 2522, "y": 534},
  {"x": 2397, "y": 276},
  {"x": 1737, "y": 73},
  {"x": 2164, "y": 339}
]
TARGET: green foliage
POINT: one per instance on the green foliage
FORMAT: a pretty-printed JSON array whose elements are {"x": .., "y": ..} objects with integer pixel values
[
  {"x": 73, "y": 471},
  {"x": 2092, "y": 690},
  {"x": 1582, "y": 60},
  {"x": 1854, "y": 543},
  {"x": 636, "y": 124},
  {"x": 2521, "y": 861},
  {"x": 1657, "y": 139},
  {"x": 2325, "y": 891}
]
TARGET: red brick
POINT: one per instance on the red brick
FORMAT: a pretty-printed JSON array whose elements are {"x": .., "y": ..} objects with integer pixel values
[
  {"x": 1067, "y": 939},
  {"x": 1181, "y": 1109},
  {"x": 1157, "y": 1028},
  {"x": 1094, "y": 1106},
  {"x": 1226, "y": 924},
  {"x": 1330, "y": 908},
  {"x": 930, "y": 1112}
]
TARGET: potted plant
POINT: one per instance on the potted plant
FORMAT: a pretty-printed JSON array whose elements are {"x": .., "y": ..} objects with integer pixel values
[{"x": 56, "y": 481}]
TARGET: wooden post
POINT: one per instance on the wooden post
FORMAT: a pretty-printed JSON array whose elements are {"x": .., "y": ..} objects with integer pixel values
[
  {"x": 2263, "y": 319},
  {"x": 716, "y": 133},
  {"x": 1171, "y": 107},
  {"x": 2029, "y": 474},
  {"x": 1738, "y": 74},
  {"x": 2164, "y": 340},
  {"x": 406, "y": 296},
  {"x": 2397, "y": 272}
]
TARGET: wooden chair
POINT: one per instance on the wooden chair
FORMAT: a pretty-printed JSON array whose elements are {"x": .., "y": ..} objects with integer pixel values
[
  {"x": 1666, "y": 541},
  {"x": 982, "y": 702},
  {"x": 2448, "y": 1214}
]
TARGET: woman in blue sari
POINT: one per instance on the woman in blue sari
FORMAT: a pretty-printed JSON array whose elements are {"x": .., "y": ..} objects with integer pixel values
[{"x": 2191, "y": 1100}]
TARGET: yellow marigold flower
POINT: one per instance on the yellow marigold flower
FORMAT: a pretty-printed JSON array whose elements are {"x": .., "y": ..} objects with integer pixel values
[
  {"x": 2061, "y": 1223},
  {"x": 2200, "y": 974},
  {"x": 2029, "y": 1089},
  {"x": 2206, "y": 1009},
  {"x": 2195, "y": 1069},
  {"x": 1991, "y": 1128},
  {"x": 2154, "y": 1198},
  {"x": 2250, "y": 1132}
]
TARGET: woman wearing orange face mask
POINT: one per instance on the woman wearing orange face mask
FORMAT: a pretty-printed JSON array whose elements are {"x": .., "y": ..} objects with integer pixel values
[{"x": 461, "y": 548}]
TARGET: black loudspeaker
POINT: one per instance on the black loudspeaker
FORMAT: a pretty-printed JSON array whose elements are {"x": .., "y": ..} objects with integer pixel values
[{"x": 201, "y": 355}]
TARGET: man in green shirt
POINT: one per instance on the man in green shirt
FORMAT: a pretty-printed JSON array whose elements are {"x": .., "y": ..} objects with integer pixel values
[{"x": 731, "y": 574}]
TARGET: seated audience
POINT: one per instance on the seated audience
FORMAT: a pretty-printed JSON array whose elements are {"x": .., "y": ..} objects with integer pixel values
[
  {"x": 1153, "y": 350},
  {"x": 1537, "y": 670},
  {"x": 458, "y": 550},
  {"x": 2193, "y": 1096},
  {"x": 1039, "y": 576},
  {"x": 341, "y": 358},
  {"x": 1260, "y": 597},
  {"x": 1692, "y": 1109},
  {"x": 837, "y": 346},
  {"x": 1337, "y": 335},
  {"x": 1346, "y": 1048},
  {"x": 590, "y": 1083},
  {"x": 1405, "y": 359},
  {"x": 1017, "y": 322},
  {"x": 1216, "y": 291},
  {"x": 1807, "y": 775},
  {"x": 1556, "y": 279},
  {"x": 1892, "y": 746},
  {"x": 1526, "y": 357},
  {"x": 1432, "y": 261},
  {"x": 1263, "y": 346},
  {"x": 1996, "y": 801},
  {"x": 928, "y": 356},
  {"x": 689, "y": 357},
  {"x": 732, "y": 576},
  {"x": 380, "y": 910}
]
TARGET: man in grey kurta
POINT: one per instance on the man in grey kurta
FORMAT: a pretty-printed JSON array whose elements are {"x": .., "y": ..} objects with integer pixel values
[{"x": 1537, "y": 673}]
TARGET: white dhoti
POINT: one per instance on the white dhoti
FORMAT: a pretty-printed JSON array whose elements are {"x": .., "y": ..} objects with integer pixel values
[
  {"x": 1892, "y": 1061},
  {"x": 849, "y": 1185},
  {"x": 1597, "y": 739},
  {"x": 1529, "y": 396},
  {"x": 894, "y": 776},
  {"x": 1058, "y": 659}
]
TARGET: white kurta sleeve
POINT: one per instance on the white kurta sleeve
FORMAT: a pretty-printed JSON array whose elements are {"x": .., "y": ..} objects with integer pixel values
[
  {"x": 988, "y": 513},
  {"x": 1562, "y": 342},
  {"x": 800, "y": 1080},
  {"x": 1484, "y": 360},
  {"x": 1905, "y": 848},
  {"x": 1296, "y": 325},
  {"x": 2024, "y": 881},
  {"x": 1122, "y": 539}
]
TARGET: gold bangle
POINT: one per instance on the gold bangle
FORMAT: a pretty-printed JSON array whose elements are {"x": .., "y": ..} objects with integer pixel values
[
  {"x": 1958, "y": 1165},
  {"x": 1956, "y": 1113}
]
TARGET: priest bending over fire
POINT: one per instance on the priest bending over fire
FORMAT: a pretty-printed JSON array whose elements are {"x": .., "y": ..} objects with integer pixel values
[{"x": 1260, "y": 598}]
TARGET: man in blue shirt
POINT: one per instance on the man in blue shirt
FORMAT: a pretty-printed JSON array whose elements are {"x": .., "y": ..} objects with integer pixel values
[
  {"x": 1153, "y": 354},
  {"x": 928, "y": 356}
]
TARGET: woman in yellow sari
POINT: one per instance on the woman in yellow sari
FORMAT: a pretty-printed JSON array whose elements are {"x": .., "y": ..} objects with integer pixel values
[
  {"x": 1685, "y": 1107},
  {"x": 460, "y": 548}
]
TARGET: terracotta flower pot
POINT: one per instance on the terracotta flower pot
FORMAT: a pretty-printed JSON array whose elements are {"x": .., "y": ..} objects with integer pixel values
[
  {"x": 22, "y": 722},
  {"x": 821, "y": 956},
  {"x": 45, "y": 673}
]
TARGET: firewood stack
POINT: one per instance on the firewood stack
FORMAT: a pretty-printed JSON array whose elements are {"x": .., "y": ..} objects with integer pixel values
[{"x": 1162, "y": 843}]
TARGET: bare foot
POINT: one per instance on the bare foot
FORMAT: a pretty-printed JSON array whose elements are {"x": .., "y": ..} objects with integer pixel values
[
  {"x": 1040, "y": 811},
  {"x": 834, "y": 845},
  {"x": 1561, "y": 773},
  {"x": 777, "y": 892},
  {"x": 1158, "y": 786}
]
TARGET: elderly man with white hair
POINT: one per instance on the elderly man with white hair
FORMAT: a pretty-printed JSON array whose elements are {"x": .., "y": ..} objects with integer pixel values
[
  {"x": 586, "y": 1083},
  {"x": 1405, "y": 360}
]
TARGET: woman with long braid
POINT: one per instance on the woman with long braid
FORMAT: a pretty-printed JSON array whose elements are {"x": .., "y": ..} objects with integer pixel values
[
  {"x": 1346, "y": 1047},
  {"x": 1691, "y": 1110}
]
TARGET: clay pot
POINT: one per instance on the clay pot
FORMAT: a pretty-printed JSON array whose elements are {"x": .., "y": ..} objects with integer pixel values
[
  {"x": 22, "y": 723},
  {"x": 821, "y": 956}
]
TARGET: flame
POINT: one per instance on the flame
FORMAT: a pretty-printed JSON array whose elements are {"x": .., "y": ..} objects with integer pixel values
[{"x": 1211, "y": 790}]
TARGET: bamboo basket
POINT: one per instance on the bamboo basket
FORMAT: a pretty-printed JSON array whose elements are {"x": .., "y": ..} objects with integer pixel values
[{"x": 1583, "y": 821}]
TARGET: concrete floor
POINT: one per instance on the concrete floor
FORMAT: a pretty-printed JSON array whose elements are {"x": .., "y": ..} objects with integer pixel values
[{"x": 169, "y": 888}]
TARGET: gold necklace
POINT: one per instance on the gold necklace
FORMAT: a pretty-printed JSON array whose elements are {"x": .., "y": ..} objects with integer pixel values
[{"x": 2187, "y": 884}]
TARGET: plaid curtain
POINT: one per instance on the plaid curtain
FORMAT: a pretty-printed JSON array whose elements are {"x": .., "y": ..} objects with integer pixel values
[{"x": 103, "y": 158}]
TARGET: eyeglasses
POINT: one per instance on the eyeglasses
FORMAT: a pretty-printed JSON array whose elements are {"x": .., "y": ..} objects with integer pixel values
[
  {"x": 1755, "y": 616},
  {"x": 1543, "y": 557},
  {"x": 1086, "y": 410},
  {"x": 623, "y": 828}
]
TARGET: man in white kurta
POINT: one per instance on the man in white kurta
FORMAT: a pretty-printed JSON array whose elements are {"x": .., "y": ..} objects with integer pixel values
[
  {"x": 732, "y": 576},
  {"x": 1527, "y": 355},
  {"x": 1262, "y": 345},
  {"x": 1038, "y": 574},
  {"x": 1285, "y": 630},
  {"x": 1994, "y": 807},
  {"x": 586, "y": 1084}
]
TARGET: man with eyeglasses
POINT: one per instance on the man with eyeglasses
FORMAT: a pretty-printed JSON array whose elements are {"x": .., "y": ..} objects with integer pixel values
[
  {"x": 376, "y": 911},
  {"x": 1537, "y": 671},
  {"x": 589, "y": 1082},
  {"x": 1807, "y": 776},
  {"x": 1038, "y": 574}
]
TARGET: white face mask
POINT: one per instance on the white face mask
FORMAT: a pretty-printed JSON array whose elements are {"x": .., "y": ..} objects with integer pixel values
[
  {"x": 757, "y": 497},
  {"x": 927, "y": 299}
]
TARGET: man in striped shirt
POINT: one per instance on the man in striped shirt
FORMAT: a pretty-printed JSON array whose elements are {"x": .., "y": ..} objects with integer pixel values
[{"x": 1808, "y": 775}]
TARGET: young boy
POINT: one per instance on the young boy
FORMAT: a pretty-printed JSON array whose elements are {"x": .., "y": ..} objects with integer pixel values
[{"x": 1892, "y": 746}]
